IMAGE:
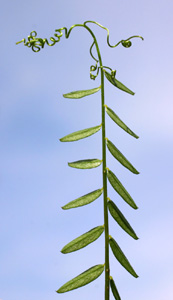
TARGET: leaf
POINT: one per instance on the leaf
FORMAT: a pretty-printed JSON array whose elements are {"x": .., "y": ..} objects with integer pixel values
[
  {"x": 81, "y": 134},
  {"x": 120, "y": 157},
  {"x": 83, "y": 240},
  {"x": 119, "y": 122},
  {"x": 121, "y": 257},
  {"x": 120, "y": 189},
  {"x": 85, "y": 164},
  {"x": 81, "y": 94},
  {"x": 120, "y": 219},
  {"x": 82, "y": 279},
  {"x": 86, "y": 199},
  {"x": 114, "y": 289},
  {"x": 117, "y": 83}
]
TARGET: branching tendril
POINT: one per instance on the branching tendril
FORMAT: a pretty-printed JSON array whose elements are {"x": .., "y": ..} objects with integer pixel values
[{"x": 37, "y": 43}]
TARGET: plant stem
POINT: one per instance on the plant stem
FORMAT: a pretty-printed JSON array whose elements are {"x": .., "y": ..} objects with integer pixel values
[
  {"x": 106, "y": 225},
  {"x": 107, "y": 271},
  {"x": 105, "y": 192}
]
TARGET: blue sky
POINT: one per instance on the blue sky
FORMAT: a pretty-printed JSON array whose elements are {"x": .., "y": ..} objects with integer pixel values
[{"x": 35, "y": 178}]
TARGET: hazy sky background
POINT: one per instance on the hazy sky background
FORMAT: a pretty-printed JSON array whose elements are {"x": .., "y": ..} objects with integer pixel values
[{"x": 35, "y": 178}]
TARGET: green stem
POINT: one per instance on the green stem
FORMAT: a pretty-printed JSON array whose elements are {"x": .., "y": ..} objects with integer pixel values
[
  {"x": 107, "y": 271},
  {"x": 105, "y": 192}
]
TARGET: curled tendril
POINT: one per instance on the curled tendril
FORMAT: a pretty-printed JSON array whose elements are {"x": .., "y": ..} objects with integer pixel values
[
  {"x": 92, "y": 67},
  {"x": 126, "y": 43},
  {"x": 37, "y": 43}
]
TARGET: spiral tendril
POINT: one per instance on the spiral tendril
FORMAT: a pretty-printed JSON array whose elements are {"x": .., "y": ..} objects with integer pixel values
[{"x": 37, "y": 43}]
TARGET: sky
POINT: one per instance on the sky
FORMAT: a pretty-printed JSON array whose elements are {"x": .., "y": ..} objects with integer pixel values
[{"x": 35, "y": 178}]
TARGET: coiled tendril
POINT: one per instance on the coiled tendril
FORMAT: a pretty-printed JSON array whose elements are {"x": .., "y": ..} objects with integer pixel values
[{"x": 37, "y": 43}]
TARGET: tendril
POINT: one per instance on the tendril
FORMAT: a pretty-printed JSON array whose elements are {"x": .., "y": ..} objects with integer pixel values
[
  {"x": 37, "y": 43},
  {"x": 92, "y": 67},
  {"x": 126, "y": 43}
]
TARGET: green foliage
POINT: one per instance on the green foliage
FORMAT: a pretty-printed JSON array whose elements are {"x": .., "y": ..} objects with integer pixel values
[
  {"x": 85, "y": 164},
  {"x": 81, "y": 134},
  {"x": 82, "y": 279},
  {"x": 81, "y": 94},
  {"x": 117, "y": 83},
  {"x": 120, "y": 219},
  {"x": 83, "y": 240},
  {"x": 119, "y": 122},
  {"x": 86, "y": 199},
  {"x": 120, "y": 189},
  {"x": 114, "y": 289},
  {"x": 36, "y": 44},
  {"x": 118, "y": 253},
  {"x": 120, "y": 157}
]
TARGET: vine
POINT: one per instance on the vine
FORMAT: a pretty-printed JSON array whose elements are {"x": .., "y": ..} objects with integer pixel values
[{"x": 36, "y": 44}]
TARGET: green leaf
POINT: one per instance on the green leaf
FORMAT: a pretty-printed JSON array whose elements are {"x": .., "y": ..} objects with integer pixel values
[
  {"x": 86, "y": 199},
  {"x": 83, "y": 240},
  {"x": 117, "y": 83},
  {"x": 119, "y": 122},
  {"x": 82, "y": 279},
  {"x": 85, "y": 164},
  {"x": 81, "y": 134},
  {"x": 114, "y": 289},
  {"x": 120, "y": 157},
  {"x": 120, "y": 189},
  {"x": 120, "y": 219},
  {"x": 81, "y": 94},
  {"x": 121, "y": 257}
]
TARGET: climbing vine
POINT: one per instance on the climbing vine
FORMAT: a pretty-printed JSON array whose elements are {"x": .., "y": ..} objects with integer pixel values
[{"x": 36, "y": 44}]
